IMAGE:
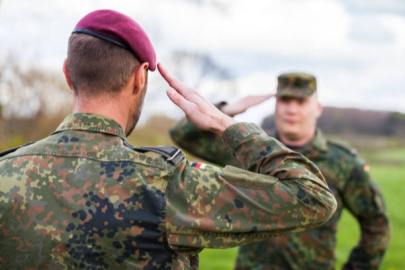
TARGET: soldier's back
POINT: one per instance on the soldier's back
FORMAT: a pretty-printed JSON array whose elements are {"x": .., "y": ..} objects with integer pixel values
[{"x": 82, "y": 199}]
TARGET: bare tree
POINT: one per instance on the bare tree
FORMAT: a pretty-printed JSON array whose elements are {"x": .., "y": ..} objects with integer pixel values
[{"x": 31, "y": 92}]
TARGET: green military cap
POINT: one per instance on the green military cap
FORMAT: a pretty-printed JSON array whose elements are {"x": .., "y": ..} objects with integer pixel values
[{"x": 296, "y": 85}]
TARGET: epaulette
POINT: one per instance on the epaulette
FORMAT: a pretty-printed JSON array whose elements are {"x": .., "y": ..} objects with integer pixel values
[
  {"x": 9, "y": 151},
  {"x": 172, "y": 154},
  {"x": 343, "y": 146}
]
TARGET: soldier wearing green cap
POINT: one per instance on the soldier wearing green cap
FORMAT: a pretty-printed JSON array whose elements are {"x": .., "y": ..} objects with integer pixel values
[
  {"x": 296, "y": 85},
  {"x": 296, "y": 113}
]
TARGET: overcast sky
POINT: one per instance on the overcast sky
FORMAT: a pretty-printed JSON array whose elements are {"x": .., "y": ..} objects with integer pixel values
[{"x": 355, "y": 48}]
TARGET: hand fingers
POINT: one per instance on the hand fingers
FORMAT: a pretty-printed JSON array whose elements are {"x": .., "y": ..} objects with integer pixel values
[
  {"x": 264, "y": 97},
  {"x": 170, "y": 78},
  {"x": 179, "y": 100},
  {"x": 259, "y": 99}
]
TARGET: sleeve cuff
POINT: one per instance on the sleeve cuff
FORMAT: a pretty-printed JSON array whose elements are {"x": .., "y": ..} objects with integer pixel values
[
  {"x": 220, "y": 104},
  {"x": 236, "y": 133}
]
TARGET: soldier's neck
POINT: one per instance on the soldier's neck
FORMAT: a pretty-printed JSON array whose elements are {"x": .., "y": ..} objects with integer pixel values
[
  {"x": 297, "y": 142},
  {"x": 113, "y": 109}
]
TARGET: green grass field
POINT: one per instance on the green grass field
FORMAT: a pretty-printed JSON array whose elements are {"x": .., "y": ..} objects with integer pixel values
[{"x": 391, "y": 179}]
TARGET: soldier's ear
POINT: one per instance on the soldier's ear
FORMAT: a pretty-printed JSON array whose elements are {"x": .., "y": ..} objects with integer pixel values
[
  {"x": 141, "y": 77},
  {"x": 65, "y": 71},
  {"x": 319, "y": 109}
]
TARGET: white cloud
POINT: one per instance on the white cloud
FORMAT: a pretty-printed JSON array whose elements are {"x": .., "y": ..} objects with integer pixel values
[
  {"x": 317, "y": 28},
  {"x": 256, "y": 40}
]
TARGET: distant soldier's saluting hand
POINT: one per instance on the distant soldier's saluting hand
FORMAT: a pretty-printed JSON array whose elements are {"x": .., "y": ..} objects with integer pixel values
[{"x": 241, "y": 105}]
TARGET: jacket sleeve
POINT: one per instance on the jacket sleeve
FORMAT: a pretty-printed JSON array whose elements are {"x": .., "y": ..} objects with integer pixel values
[
  {"x": 203, "y": 144},
  {"x": 279, "y": 191},
  {"x": 364, "y": 200}
]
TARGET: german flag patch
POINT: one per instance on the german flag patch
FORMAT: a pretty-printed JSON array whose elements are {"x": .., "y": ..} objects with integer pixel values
[{"x": 198, "y": 165}]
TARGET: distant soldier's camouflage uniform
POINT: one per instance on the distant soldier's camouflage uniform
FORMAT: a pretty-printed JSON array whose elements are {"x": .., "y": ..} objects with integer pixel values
[
  {"x": 350, "y": 181},
  {"x": 85, "y": 198},
  {"x": 348, "y": 178}
]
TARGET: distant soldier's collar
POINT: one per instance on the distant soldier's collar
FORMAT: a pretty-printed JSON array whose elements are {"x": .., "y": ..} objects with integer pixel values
[{"x": 319, "y": 142}]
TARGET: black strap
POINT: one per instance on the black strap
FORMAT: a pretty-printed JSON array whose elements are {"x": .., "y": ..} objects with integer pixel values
[
  {"x": 170, "y": 153},
  {"x": 6, "y": 152},
  {"x": 101, "y": 36}
]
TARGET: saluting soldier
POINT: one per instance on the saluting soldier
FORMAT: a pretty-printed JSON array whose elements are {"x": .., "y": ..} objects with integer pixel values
[
  {"x": 296, "y": 113},
  {"x": 85, "y": 198}
]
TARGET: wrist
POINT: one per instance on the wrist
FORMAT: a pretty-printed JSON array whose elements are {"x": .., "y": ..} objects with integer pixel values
[
  {"x": 235, "y": 134},
  {"x": 223, "y": 124}
]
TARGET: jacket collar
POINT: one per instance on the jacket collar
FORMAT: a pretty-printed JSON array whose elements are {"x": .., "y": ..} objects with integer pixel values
[
  {"x": 316, "y": 145},
  {"x": 91, "y": 122}
]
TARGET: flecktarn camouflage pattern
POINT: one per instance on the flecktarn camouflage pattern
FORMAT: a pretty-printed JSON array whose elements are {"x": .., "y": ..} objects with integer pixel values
[
  {"x": 350, "y": 182},
  {"x": 84, "y": 198}
]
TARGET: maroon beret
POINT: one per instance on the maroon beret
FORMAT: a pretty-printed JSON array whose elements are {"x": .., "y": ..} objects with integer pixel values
[{"x": 121, "y": 30}]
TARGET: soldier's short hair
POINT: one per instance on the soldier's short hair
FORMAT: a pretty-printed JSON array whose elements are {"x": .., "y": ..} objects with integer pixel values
[{"x": 96, "y": 66}]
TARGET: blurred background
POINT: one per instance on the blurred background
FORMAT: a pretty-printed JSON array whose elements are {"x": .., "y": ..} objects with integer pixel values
[{"x": 228, "y": 49}]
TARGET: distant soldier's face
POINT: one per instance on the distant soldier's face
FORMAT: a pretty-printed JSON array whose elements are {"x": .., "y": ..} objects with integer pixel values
[{"x": 295, "y": 118}]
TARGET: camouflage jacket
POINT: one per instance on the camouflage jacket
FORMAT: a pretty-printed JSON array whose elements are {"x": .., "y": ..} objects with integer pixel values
[
  {"x": 350, "y": 182},
  {"x": 85, "y": 198}
]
